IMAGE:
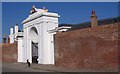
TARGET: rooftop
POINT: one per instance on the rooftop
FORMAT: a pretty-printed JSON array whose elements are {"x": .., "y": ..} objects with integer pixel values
[{"x": 106, "y": 21}]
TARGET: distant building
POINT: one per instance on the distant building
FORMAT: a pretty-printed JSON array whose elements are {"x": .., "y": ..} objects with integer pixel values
[
  {"x": 4, "y": 38},
  {"x": 94, "y": 21}
]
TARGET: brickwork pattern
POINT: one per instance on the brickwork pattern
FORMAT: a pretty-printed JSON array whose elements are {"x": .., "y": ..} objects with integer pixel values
[
  {"x": 89, "y": 49},
  {"x": 9, "y": 52}
]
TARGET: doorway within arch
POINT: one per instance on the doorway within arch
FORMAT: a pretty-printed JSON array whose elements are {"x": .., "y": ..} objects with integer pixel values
[{"x": 34, "y": 44}]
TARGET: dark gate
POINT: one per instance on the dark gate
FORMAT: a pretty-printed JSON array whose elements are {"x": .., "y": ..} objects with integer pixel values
[{"x": 34, "y": 52}]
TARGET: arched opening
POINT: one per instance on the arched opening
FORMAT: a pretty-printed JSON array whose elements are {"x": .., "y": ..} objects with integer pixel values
[{"x": 34, "y": 44}]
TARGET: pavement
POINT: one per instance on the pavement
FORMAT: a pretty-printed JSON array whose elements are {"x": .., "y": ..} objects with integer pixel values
[{"x": 22, "y": 67}]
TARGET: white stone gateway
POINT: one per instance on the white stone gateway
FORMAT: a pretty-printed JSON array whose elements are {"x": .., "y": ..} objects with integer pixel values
[{"x": 38, "y": 42}]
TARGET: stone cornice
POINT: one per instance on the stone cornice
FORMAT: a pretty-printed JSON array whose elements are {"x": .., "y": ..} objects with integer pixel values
[
  {"x": 40, "y": 23},
  {"x": 38, "y": 15}
]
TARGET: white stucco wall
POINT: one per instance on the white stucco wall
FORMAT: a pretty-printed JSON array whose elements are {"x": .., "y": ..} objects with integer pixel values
[
  {"x": 43, "y": 24},
  {"x": 20, "y": 50},
  {"x": 11, "y": 36}
]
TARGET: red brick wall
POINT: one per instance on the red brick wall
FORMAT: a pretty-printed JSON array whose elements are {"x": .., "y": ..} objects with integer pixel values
[
  {"x": 88, "y": 49},
  {"x": 9, "y": 52}
]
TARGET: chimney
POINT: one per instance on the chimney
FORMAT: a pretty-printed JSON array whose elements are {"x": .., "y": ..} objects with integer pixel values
[
  {"x": 4, "y": 38},
  {"x": 93, "y": 18}
]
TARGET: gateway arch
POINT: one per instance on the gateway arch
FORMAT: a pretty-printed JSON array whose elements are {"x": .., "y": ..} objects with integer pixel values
[
  {"x": 33, "y": 34},
  {"x": 38, "y": 41}
]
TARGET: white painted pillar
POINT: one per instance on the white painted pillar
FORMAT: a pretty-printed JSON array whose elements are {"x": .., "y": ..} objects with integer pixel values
[
  {"x": 40, "y": 45},
  {"x": 11, "y": 30},
  {"x": 52, "y": 49},
  {"x": 20, "y": 50},
  {"x": 11, "y": 36},
  {"x": 16, "y": 32},
  {"x": 29, "y": 50},
  {"x": 16, "y": 29},
  {"x": 29, "y": 56},
  {"x": 25, "y": 45}
]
